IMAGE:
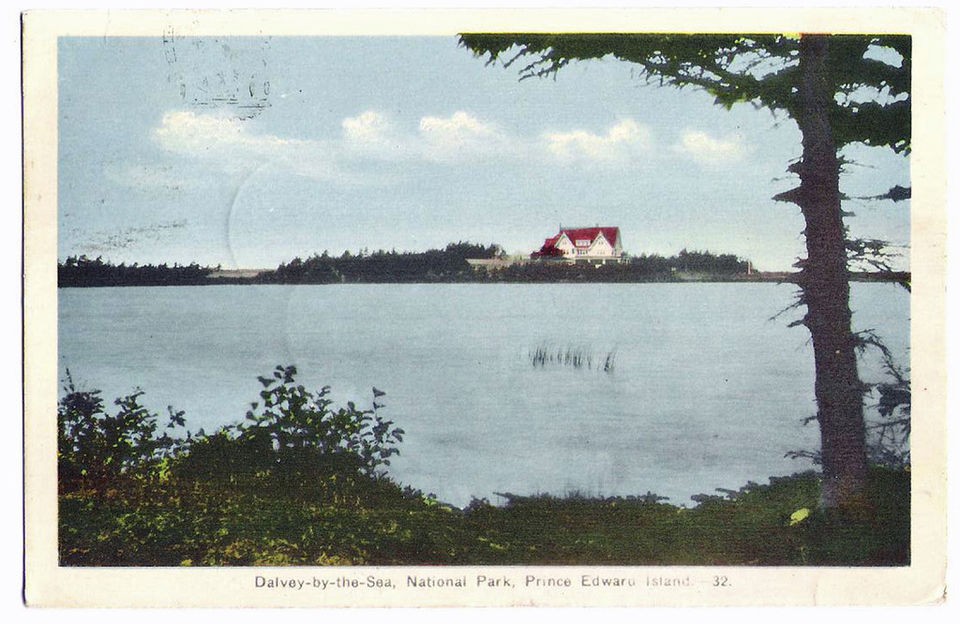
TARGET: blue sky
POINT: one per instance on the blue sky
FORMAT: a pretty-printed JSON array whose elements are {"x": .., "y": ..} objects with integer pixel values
[{"x": 247, "y": 152}]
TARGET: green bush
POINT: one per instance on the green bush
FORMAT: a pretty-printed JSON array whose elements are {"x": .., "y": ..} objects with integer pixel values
[
  {"x": 294, "y": 434},
  {"x": 290, "y": 433},
  {"x": 97, "y": 447},
  {"x": 302, "y": 482}
]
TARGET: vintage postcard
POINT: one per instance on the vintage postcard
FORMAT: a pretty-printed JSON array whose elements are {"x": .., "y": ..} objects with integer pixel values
[{"x": 484, "y": 308}]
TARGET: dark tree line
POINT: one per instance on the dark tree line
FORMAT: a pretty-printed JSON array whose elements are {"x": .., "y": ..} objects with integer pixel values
[
  {"x": 450, "y": 265},
  {"x": 706, "y": 262},
  {"x": 643, "y": 268},
  {"x": 82, "y": 271},
  {"x": 390, "y": 267},
  {"x": 434, "y": 265}
]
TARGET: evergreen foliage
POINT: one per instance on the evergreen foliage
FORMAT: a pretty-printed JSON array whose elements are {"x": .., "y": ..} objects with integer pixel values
[
  {"x": 447, "y": 265},
  {"x": 82, "y": 271},
  {"x": 435, "y": 265}
]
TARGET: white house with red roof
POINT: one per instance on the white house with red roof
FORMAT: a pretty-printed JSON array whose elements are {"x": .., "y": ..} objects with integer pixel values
[{"x": 592, "y": 245}]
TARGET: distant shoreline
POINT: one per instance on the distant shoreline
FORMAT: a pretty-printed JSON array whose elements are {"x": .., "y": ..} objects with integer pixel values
[
  {"x": 457, "y": 263},
  {"x": 251, "y": 277}
]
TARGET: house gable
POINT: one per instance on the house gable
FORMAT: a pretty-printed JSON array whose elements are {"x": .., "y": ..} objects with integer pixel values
[
  {"x": 595, "y": 242},
  {"x": 600, "y": 246},
  {"x": 563, "y": 242}
]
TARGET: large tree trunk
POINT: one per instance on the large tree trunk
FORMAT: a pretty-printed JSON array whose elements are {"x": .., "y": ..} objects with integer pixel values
[{"x": 826, "y": 289}]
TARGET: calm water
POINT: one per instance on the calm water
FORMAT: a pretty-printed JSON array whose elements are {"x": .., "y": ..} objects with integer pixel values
[{"x": 706, "y": 391}]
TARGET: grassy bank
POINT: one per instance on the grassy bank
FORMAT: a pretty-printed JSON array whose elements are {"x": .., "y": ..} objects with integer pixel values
[
  {"x": 303, "y": 482},
  {"x": 203, "y": 522}
]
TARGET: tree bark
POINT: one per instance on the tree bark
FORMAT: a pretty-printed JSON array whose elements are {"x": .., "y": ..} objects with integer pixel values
[{"x": 826, "y": 288}]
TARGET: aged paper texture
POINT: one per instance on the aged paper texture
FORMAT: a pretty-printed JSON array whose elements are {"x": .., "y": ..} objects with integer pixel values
[{"x": 135, "y": 122}]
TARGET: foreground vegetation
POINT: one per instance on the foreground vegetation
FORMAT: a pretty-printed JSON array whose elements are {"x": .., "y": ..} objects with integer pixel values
[{"x": 303, "y": 482}]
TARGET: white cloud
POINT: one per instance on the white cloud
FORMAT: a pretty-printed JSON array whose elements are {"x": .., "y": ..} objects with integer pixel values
[
  {"x": 369, "y": 127},
  {"x": 459, "y": 136},
  {"x": 460, "y": 126},
  {"x": 624, "y": 140},
  {"x": 190, "y": 132},
  {"x": 456, "y": 138},
  {"x": 232, "y": 145},
  {"x": 228, "y": 144},
  {"x": 709, "y": 151}
]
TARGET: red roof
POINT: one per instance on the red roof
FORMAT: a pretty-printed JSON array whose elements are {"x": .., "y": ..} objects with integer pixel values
[
  {"x": 609, "y": 233},
  {"x": 580, "y": 234}
]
